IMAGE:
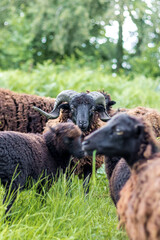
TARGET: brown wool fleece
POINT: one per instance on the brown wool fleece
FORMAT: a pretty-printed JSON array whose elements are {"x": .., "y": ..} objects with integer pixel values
[
  {"x": 139, "y": 204},
  {"x": 16, "y": 113}
]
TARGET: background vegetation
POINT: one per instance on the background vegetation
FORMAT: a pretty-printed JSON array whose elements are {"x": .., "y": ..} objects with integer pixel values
[
  {"x": 34, "y": 31},
  {"x": 48, "y": 46}
]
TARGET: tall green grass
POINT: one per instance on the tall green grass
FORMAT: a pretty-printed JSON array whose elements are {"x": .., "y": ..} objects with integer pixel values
[{"x": 65, "y": 212}]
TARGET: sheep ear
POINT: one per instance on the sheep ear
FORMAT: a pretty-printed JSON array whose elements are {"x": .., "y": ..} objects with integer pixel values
[
  {"x": 111, "y": 103},
  {"x": 103, "y": 115},
  {"x": 139, "y": 129}
]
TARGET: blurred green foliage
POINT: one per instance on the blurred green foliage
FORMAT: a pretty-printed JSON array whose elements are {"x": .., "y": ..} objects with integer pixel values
[{"x": 35, "y": 31}]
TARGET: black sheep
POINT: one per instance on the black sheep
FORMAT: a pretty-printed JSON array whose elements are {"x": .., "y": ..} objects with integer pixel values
[{"x": 31, "y": 155}]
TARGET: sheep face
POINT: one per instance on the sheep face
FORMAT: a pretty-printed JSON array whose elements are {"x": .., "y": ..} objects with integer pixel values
[
  {"x": 68, "y": 139},
  {"x": 120, "y": 137},
  {"x": 81, "y": 107}
]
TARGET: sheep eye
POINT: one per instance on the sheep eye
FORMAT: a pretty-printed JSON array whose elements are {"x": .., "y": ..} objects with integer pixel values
[
  {"x": 118, "y": 131},
  {"x": 68, "y": 140},
  {"x": 92, "y": 110},
  {"x": 72, "y": 109}
]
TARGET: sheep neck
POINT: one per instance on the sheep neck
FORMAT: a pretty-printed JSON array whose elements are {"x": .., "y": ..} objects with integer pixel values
[{"x": 146, "y": 151}]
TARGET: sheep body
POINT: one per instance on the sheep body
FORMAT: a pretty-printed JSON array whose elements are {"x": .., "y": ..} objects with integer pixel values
[
  {"x": 139, "y": 204},
  {"x": 16, "y": 113},
  {"x": 34, "y": 154}
]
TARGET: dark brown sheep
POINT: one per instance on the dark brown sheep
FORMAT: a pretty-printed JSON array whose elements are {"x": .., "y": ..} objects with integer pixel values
[
  {"x": 134, "y": 140},
  {"x": 89, "y": 111},
  {"x": 30, "y": 154},
  {"x": 16, "y": 113},
  {"x": 139, "y": 204}
]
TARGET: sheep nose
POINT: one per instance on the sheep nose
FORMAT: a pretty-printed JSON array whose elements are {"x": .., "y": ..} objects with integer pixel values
[{"x": 83, "y": 125}]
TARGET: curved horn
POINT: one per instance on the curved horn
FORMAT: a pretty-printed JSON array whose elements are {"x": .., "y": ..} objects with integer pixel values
[
  {"x": 100, "y": 99},
  {"x": 64, "y": 96},
  {"x": 48, "y": 115}
]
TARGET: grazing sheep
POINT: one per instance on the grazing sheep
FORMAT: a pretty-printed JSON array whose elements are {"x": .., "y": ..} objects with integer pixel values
[
  {"x": 149, "y": 114},
  {"x": 87, "y": 110},
  {"x": 16, "y": 113},
  {"x": 139, "y": 203},
  {"x": 34, "y": 154}
]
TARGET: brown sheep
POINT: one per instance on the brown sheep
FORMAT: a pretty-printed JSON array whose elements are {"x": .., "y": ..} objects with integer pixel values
[
  {"x": 29, "y": 155},
  {"x": 16, "y": 113},
  {"x": 87, "y": 110},
  {"x": 134, "y": 140},
  {"x": 139, "y": 204}
]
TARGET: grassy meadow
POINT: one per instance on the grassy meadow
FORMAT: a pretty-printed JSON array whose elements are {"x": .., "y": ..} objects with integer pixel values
[{"x": 65, "y": 213}]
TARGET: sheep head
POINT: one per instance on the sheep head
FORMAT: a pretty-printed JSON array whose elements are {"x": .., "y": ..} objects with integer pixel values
[
  {"x": 81, "y": 106},
  {"x": 66, "y": 138},
  {"x": 123, "y": 136}
]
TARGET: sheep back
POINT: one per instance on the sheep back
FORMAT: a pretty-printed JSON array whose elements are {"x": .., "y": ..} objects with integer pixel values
[{"x": 17, "y": 113}]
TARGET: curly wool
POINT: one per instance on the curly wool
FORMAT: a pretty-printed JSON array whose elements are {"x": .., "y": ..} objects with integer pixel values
[
  {"x": 28, "y": 155},
  {"x": 16, "y": 113},
  {"x": 138, "y": 207}
]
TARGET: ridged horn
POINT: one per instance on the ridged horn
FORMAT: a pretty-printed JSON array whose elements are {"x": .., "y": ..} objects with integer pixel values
[
  {"x": 100, "y": 99},
  {"x": 64, "y": 96}
]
